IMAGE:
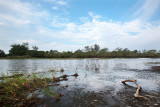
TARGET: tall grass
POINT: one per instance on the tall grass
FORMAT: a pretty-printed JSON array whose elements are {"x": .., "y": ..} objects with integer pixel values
[{"x": 15, "y": 89}]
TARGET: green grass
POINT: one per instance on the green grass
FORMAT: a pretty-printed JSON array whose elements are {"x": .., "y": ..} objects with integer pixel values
[{"x": 14, "y": 90}]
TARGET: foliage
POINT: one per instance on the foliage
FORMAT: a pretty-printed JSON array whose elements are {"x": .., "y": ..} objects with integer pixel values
[
  {"x": 2, "y": 53},
  {"x": 18, "y": 49},
  {"x": 35, "y": 48},
  {"x": 93, "y": 51}
]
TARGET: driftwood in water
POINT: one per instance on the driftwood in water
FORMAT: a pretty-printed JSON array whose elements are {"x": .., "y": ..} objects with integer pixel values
[
  {"x": 138, "y": 89},
  {"x": 75, "y": 75}
]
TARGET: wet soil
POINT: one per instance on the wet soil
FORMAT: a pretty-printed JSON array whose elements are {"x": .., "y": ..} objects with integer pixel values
[
  {"x": 155, "y": 68},
  {"x": 79, "y": 97}
]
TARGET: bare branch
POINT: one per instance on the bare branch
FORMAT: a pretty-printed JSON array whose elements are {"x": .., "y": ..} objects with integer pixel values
[{"x": 138, "y": 89}]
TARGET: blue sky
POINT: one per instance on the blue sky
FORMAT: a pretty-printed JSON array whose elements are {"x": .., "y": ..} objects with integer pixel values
[{"x": 68, "y": 25}]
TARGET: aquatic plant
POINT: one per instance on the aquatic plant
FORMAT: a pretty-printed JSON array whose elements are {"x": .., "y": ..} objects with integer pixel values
[
  {"x": 21, "y": 89},
  {"x": 14, "y": 90},
  {"x": 50, "y": 92}
]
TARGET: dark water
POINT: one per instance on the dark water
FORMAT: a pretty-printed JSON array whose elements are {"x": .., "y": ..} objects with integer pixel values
[{"x": 102, "y": 76}]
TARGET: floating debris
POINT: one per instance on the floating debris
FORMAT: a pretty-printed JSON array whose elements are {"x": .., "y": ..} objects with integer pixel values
[
  {"x": 56, "y": 79},
  {"x": 75, "y": 75},
  {"x": 52, "y": 70},
  {"x": 61, "y": 70},
  {"x": 64, "y": 76}
]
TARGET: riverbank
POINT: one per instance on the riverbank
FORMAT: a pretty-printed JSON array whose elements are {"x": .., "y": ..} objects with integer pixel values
[
  {"x": 106, "y": 97},
  {"x": 20, "y": 89},
  {"x": 27, "y": 89},
  {"x": 37, "y": 90},
  {"x": 18, "y": 57}
]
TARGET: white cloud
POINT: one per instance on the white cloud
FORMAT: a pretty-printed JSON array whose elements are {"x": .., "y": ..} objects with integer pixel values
[
  {"x": 59, "y": 46},
  {"x": 18, "y": 13},
  {"x": 30, "y": 41},
  {"x": 147, "y": 10},
  {"x": 22, "y": 22},
  {"x": 62, "y": 3},
  {"x": 57, "y": 22},
  {"x": 94, "y": 16},
  {"x": 59, "y": 2},
  {"x": 71, "y": 27},
  {"x": 133, "y": 34},
  {"x": 54, "y": 7}
]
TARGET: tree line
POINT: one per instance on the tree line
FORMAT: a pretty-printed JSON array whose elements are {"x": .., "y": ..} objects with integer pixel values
[{"x": 94, "y": 51}]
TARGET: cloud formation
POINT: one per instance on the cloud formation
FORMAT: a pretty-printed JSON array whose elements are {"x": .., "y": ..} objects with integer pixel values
[
  {"x": 147, "y": 10},
  {"x": 27, "y": 22}
]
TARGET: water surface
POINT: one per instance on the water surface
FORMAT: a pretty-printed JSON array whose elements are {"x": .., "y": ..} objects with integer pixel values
[{"x": 95, "y": 75}]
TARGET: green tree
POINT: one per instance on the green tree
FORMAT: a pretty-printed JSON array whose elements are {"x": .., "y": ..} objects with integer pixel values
[
  {"x": 18, "y": 49},
  {"x": 126, "y": 52},
  {"x": 95, "y": 48},
  {"x": 118, "y": 52},
  {"x": 35, "y": 48},
  {"x": 34, "y": 52},
  {"x": 53, "y": 54},
  {"x": 78, "y": 54},
  {"x": 151, "y": 53},
  {"x": 87, "y": 48},
  {"x": 2, "y": 53},
  {"x": 103, "y": 52}
]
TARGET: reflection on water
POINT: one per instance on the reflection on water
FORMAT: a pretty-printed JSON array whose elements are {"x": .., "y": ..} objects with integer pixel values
[{"x": 94, "y": 74}]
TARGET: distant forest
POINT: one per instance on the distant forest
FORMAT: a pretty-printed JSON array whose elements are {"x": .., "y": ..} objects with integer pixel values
[{"x": 94, "y": 51}]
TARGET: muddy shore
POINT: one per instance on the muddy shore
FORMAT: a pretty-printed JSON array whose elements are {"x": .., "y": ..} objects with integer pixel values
[{"x": 107, "y": 97}]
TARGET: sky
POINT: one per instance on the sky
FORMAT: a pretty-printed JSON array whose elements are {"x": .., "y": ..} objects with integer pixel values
[{"x": 68, "y": 25}]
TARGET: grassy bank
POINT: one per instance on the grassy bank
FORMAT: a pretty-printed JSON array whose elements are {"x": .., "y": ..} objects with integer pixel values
[
  {"x": 19, "y": 89},
  {"x": 30, "y": 89}
]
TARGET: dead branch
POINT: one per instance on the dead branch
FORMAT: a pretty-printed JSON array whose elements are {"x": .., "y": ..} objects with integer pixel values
[{"x": 138, "y": 89}]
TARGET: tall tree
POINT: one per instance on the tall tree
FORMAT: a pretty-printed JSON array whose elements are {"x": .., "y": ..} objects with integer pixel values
[
  {"x": 87, "y": 48},
  {"x": 18, "y": 49},
  {"x": 35, "y": 48},
  {"x": 2, "y": 53},
  {"x": 96, "y": 48}
]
